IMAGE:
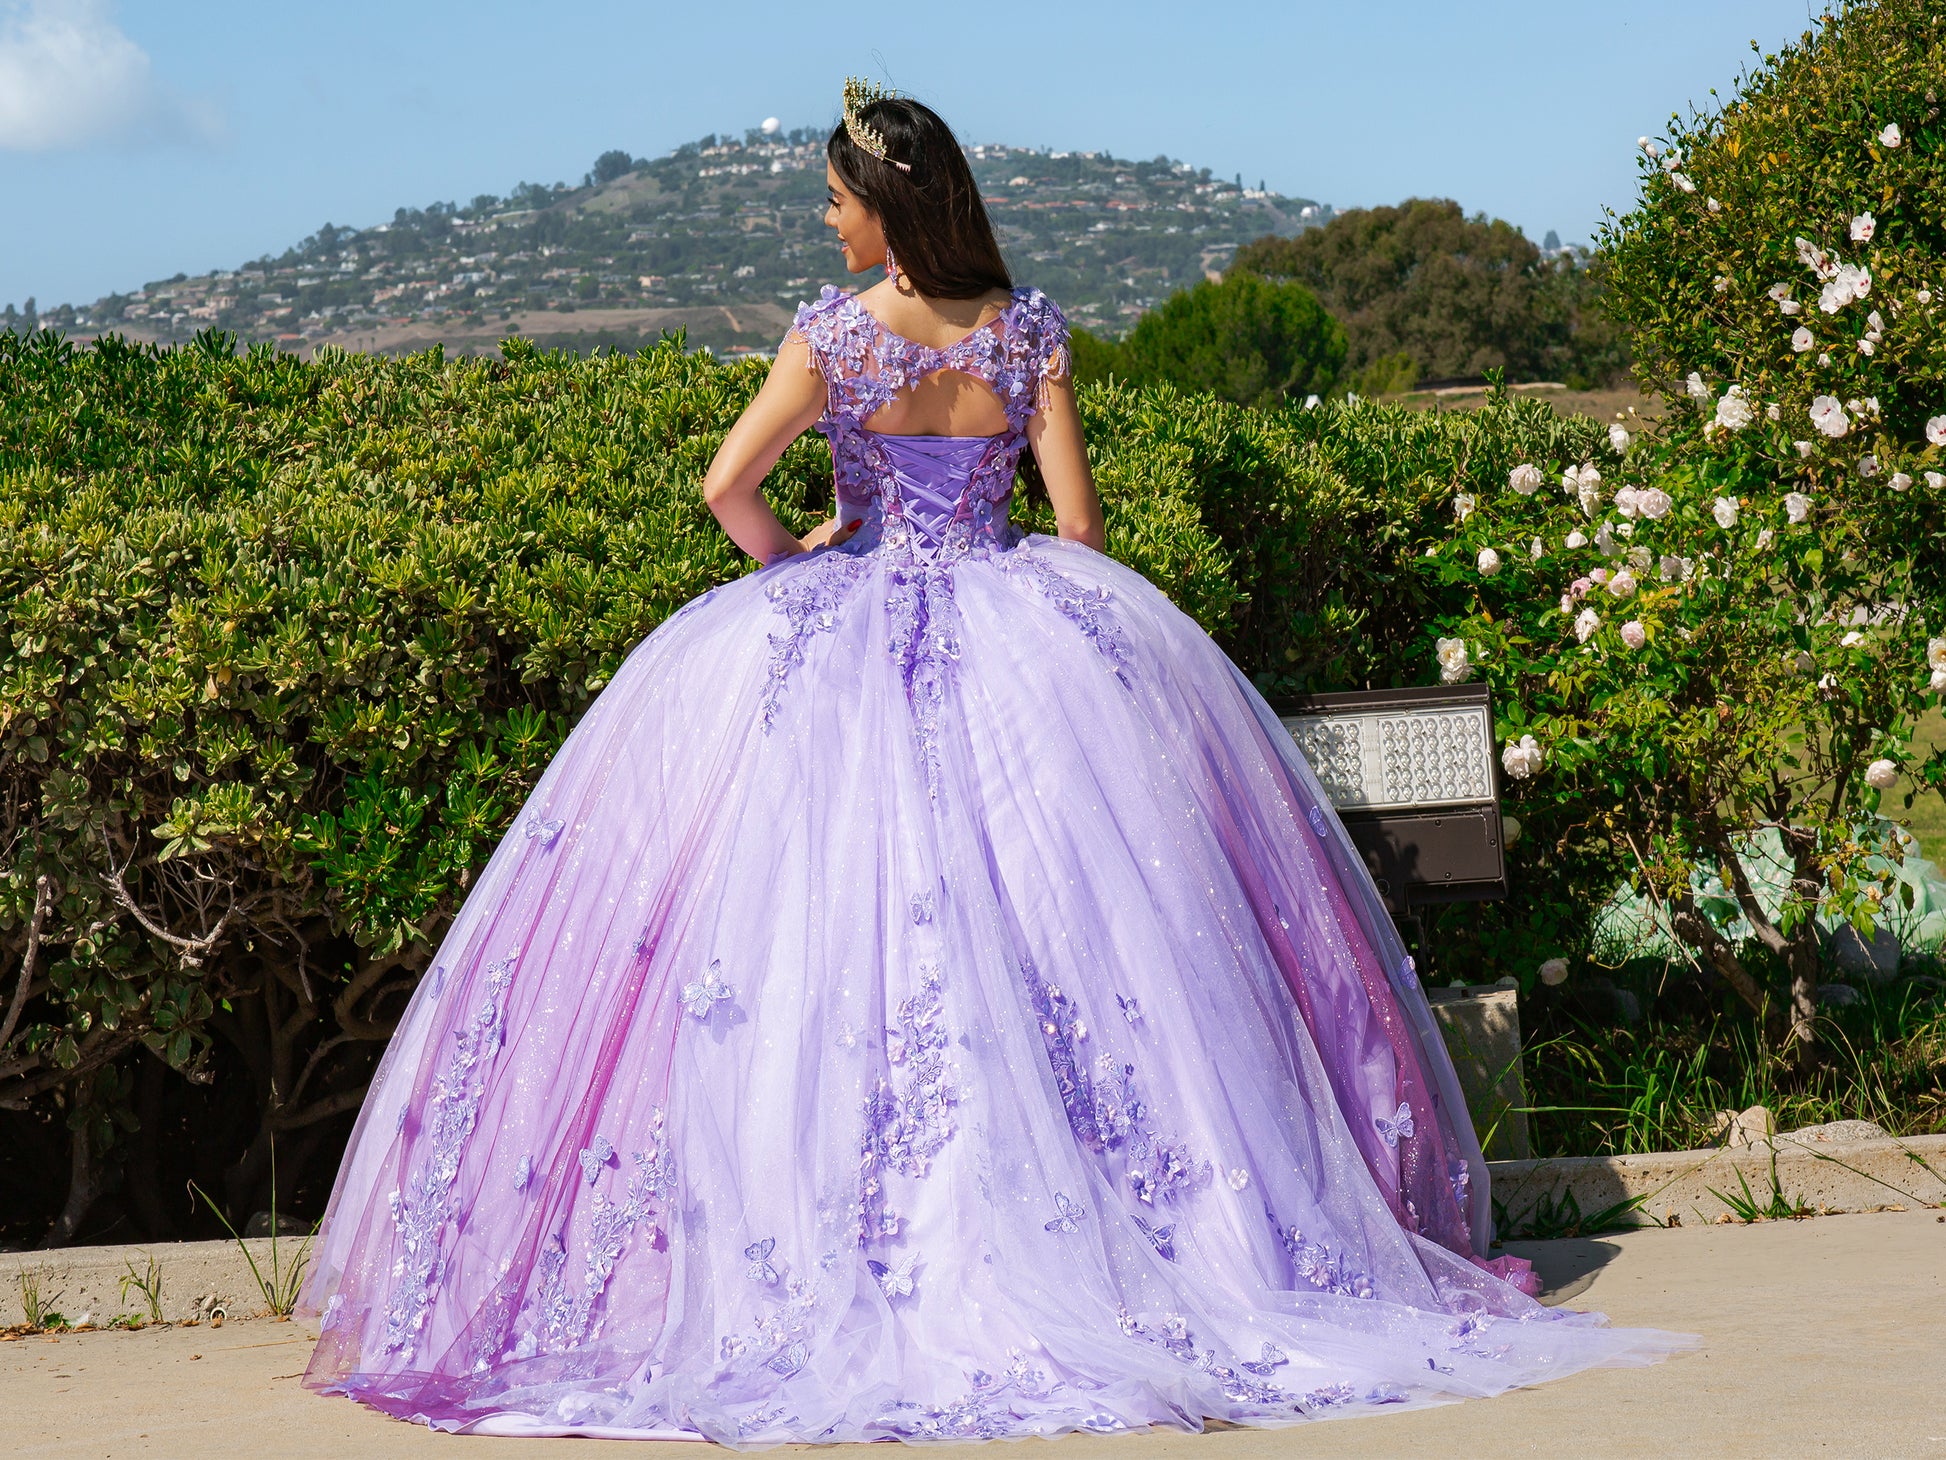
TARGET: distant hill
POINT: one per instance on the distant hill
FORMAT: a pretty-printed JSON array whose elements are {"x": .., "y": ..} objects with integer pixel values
[{"x": 721, "y": 237}]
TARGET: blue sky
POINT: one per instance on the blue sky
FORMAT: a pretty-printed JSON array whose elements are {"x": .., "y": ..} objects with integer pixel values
[{"x": 141, "y": 138}]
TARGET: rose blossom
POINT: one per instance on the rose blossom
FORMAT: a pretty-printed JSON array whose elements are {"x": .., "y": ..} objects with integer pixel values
[
  {"x": 1868, "y": 465},
  {"x": 1463, "y": 506},
  {"x": 1454, "y": 666},
  {"x": 1773, "y": 412},
  {"x": 1536, "y": 551},
  {"x": 1939, "y": 681},
  {"x": 1829, "y": 416},
  {"x": 1625, "y": 501},
  {"x": 1936, "y": 653},
  {"x": 1803, "y": 449},
  {"x": 1577, "y": 539},
  {"x": 1525, "y": 479},
  {"x": 1654, "y": 503},
  {"x": 1523, "y": 758},
  {"x": 1733, "y": 412},
  {"x": 1866, "y": 347},
  {"x": 1554, "y": 972},
  {"x": 1725, "y": 512},
  {"x": 1765, "y": 539},
  {"x": 1851, "y": 640},
  {"x": 1489, "y": 562},
  {"x": 1891, "y": 136},
  {"x": 1567, "y": 603},
  {"x": 1697, "y": 390},
  {"x": 1882, "y": 775},
  {"x": 1586, "y": 624},
  {"x": 1676, "y": 569},
  {"x": 1936, "y": 430},
  {"x": 1682, "y": 182},
  {"x": 1797, "y": 506},
  {"x": 1898, "y": 481},
  {"x": 1634, "y": 635},
  {"x": 1936, "y": 480},
  {"x": 1622, "y": 584},
  {"x": 1802, "y": 339},
  {"x": 1862, "y": 228}
]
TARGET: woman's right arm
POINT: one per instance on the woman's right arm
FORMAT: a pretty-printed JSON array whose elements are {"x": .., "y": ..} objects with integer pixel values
[
  {"x": 792, "y": 399},
  {"x": 1054, "y": 433}
]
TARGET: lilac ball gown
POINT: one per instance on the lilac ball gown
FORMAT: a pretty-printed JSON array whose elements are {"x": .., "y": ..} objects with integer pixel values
[{"x": 928, "y": 996}]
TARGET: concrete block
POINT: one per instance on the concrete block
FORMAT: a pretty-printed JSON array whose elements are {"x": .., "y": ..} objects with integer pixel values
[
  {"x": 1688, "y": 1187},
  {"x": 1481, "y": 1024},
  {"x": 196, "y": 1276}
]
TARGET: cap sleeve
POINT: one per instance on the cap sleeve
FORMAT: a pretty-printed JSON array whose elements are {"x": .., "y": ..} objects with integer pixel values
[
  {"x": 1048, "y": 331},
  {"x": 819, "y": 327}
]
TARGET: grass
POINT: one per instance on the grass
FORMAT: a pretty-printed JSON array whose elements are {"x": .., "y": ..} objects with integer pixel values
[
  {"x": 147, "y": 1284},
  {"x": 1600, "y": 1090},
  {"x": 286, "y": 1281},
  {"x": 39, "y": 1310}
]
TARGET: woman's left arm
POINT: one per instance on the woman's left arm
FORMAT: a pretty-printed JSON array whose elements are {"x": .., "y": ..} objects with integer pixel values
[
  {"x": 792, "y": 399},
  {"x": 1054, "y": 433}
]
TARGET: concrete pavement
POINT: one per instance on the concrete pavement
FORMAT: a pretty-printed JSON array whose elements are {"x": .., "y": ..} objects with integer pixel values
[{"x": 1821, "y": 1337}]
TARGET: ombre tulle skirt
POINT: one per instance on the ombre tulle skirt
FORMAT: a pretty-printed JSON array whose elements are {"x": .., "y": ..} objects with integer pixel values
[{"x": 922, "y": 1001}]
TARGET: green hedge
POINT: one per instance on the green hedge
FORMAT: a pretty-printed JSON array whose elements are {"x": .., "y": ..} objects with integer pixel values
[{"x": 285, "y": 645}]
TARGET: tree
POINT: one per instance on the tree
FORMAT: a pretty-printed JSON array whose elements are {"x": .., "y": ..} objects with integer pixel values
[
  {"x": 1425, "y": 292},
  {"x": 611, "y": 165},
  {"x": 1250, "y": 340}
]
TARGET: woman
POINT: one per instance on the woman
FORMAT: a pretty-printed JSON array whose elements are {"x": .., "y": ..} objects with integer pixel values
[{"x": 928, "y": 995}]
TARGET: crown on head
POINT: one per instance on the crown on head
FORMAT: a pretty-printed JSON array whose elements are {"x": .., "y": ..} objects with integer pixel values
[{"x": 858, "y": 96}]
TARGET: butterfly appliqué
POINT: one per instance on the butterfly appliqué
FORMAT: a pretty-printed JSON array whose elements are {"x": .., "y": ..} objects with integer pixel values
[
  {"x": 597, "y": 1155},
  {"x": 1067, "y": 1212},
  {"x": 788, "y": 1361},
  {"x": 1267, "y": 1362},
  {"x": 894, "y": 1282},
  {"x": 1162, "y": 1239},
  {"x": 544, "y": 832},
  {"x": 1316, "y": 817},
  {"x": 1397, "y": 1128},
  {"x": 523, "y": 1173},
  {"x": 1131, "y": 1008},
  {"x": 761, "y": 1269},
  {"x": 700, "y": 999}
]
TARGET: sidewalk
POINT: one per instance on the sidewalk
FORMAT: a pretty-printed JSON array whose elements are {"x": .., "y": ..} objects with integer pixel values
[{"x": 1822, "y": 1337}]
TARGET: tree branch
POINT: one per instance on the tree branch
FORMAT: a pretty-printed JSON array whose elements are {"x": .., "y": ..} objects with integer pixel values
[{"x": 43, "y": 897}]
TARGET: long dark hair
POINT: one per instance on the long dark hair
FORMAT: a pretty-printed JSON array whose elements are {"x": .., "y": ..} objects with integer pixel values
[{"x": 935, "y": 223}]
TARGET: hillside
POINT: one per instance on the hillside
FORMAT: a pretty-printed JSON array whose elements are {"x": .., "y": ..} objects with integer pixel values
[{"x": 721, "y": 237}]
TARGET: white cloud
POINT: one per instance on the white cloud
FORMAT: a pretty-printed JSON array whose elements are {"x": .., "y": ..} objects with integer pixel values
[{"x": 69, "y": 76}]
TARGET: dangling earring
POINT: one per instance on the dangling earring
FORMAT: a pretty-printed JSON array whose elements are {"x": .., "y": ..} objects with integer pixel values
[{"x": 891, "y": 268}]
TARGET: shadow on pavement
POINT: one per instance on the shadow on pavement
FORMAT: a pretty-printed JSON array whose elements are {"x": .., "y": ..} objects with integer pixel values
[{"x": 1567, "y": 1266}]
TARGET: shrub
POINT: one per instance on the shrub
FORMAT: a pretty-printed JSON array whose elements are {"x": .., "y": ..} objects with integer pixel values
[
  {"x": 286, "y": 644},
  {"x": 1733, "y": 623}
]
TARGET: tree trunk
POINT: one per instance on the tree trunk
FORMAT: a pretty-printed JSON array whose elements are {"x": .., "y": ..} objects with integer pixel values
[
  {"x": 144, "y": 1187},
  {"x": 81, "y": 1192}
]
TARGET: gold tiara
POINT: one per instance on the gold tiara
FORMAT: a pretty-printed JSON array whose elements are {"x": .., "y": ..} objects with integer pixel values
[{"x": 858, "y": 96}]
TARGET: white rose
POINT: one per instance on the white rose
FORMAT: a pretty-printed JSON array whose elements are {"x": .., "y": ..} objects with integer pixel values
[
  {"x": 1797, "y": 506},
  {"x": 1554, "y": 972},
  {"x": 1939, "y": 681},
  {"x": 1924, "y": 296},
  {"x": 1868, "y": 466},
  {"x": 1463, "y": 506},
  {"x": 1622, "y": 584},
  {"x": 1587, "y": 475},
  {"x": 1882, "y": 775},
  {"x": 1773, "y": 412},
  {"x": 1625, "y": 501},
  {"x": 1936, "y": 653},
  {"x": 1634, "y": 635},
  {"x": 1675, "y": 569},
  {"x": 1605, "y": 541},
  {"x": 1803, "y": 663},
  {"x": 1725, "y": 512},
  {"x": 1936, "y": 430},
  {"x": 1489, "y": 562},
  {"x": 1525, "y": 479},
  {"x": 1522, "y": 759},
  {"x": 1824, "y": 360},
  {"x": 1567, "y": 603},
  {"x": 1625, "y": 529},
  {"x": 1851, "y": 640},
  {"x": 1714, "y": 206},
  {"x": 1577, "y": 539},
  {"x": 1866, "y": 347},
  {"x": 1654, "y": 503},
  {"x": 1936, "y": 480},
  {"x": 1617, "y": 438},
  {"x": 1536, "y": 551},
  {"x": 1765, "y": 539},
  {"x": 1682, "y": 182},
  {"x": 1898, "y": 481},
  {"x": 1829, "y": 416},
  {"x": 1721, "y": 283},
  {"x": 1733, "y": 412},
  {"x": 1586, "y": 624},
  {"x": 1891, "y": 136},
  {"x": 1862, "y": 228},
  {"x": 1697, "y": 390},
  {"x": 1789, "y": 307},
  {"x": 1311, "y": 403},
  {"x": 1454, "y": 666},
  {"x": 1803, "y": 450},
  {"x": 1802, "y": 339}
]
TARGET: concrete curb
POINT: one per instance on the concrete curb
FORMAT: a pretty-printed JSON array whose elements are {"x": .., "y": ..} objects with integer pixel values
[
  {"x": 1533, "y": 1197},
  {"x": 197, "y": 1277},
  {"x": 1543, "y": 1197}
]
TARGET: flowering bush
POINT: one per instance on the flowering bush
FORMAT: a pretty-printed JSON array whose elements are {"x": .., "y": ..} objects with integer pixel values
[{"x": 1731, "y": 622}]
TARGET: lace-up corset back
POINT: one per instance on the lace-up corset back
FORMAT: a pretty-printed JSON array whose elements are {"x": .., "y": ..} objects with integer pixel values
[{"x": 937, "y": 497}]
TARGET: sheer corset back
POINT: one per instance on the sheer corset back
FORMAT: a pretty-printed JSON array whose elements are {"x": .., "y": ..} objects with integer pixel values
[{"x": 931, "y": 497}]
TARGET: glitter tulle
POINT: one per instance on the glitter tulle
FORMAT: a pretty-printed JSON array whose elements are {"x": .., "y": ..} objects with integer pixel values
[{"x": 927, "y": 997}]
